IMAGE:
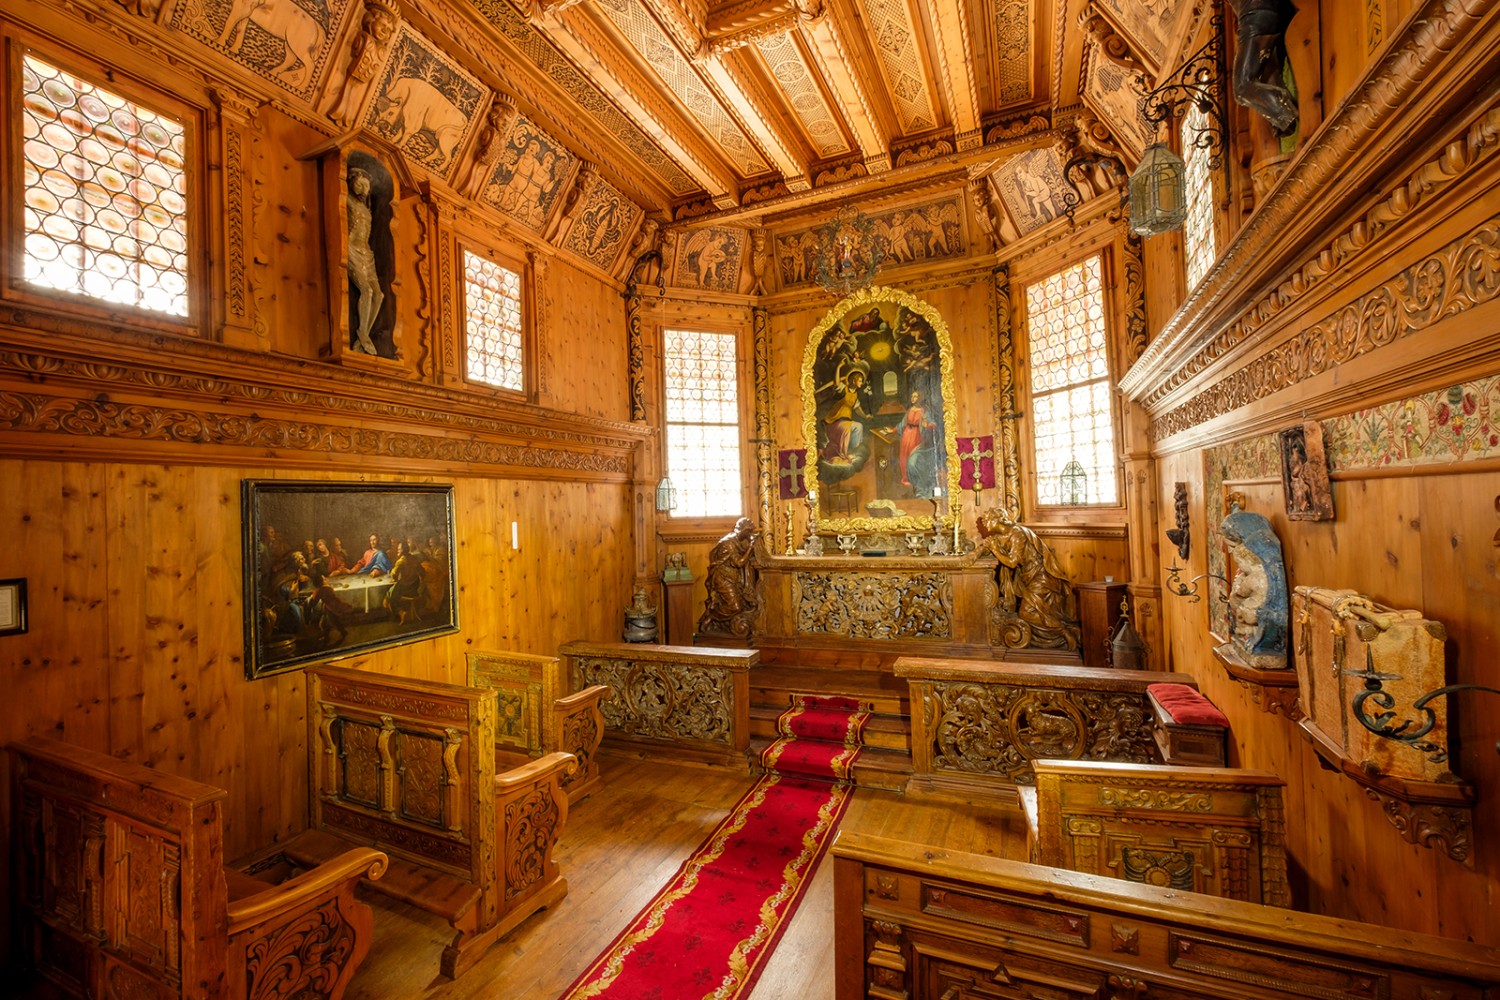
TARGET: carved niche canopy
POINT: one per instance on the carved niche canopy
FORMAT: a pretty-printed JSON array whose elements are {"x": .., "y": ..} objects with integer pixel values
[{"x": 877, "y": 411}]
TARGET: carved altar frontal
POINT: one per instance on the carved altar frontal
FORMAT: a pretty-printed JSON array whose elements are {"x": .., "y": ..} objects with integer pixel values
[{"x": 899, "y": 605}]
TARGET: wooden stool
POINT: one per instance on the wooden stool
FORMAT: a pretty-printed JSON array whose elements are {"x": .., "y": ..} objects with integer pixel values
[{"x": 1187, "y": 726}]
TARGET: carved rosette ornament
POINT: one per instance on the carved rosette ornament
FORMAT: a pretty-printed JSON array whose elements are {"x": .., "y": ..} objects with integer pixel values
[
  {"x": 998, "y": 729},
  {"x": 664, "y": 700},
  {"x": 874, "y": 605}
]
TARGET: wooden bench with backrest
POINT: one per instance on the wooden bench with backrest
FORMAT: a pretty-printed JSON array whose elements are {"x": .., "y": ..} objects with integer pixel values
[
  {"x": 121, "y": 890},
  {"x": 409, "y": 767},
  {"x": 1214, "y": 830},
  {"x": 537, "y": 716}
]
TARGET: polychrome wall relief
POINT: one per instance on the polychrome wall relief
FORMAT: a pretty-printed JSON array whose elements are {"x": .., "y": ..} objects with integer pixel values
[
  {"x": 710, "y": 258},
  {"x": 1029, "y": 184},
  {"x": 284, "y": 41},
  {"x": 530, "y": 174},
  {"x": 599, "y": 229},
  {"x": 425, "y": 104},
  {"x": 877, "y": 406},
  {"x": 932, "y": 231}
]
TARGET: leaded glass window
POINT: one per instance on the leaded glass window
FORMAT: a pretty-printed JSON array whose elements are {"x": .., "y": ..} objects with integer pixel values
[
  {"x": 703, "y": 423},
  {"x": 1071, "y": 407},
  {"x": 104, "y": 188},
  {"x": 1198, "y": 228},
  {"x": 494, "y": 345}
]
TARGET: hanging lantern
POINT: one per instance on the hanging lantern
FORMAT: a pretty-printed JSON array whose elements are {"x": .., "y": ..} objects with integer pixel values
[
  {"x": 1158, "y": 194},
  {"x": 1126, "y": 650},
  {"x": 849, "y": 252},
  {"x": 1074, "y": 484},
  {"x": 666, "y": 495}
]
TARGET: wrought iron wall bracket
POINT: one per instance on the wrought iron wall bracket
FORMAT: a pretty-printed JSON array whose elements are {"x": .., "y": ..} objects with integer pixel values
[
  {"x": 1382, "y": 723},
  {"x": 1198, "y": 82},
  {"x": 1189, "y": 590}
]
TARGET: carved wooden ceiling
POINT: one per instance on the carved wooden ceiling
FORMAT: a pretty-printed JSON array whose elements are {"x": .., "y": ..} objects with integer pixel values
[{"x": 734, "y": 111}]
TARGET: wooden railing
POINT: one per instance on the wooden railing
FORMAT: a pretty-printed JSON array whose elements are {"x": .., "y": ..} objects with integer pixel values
[
  {"x": 978, "y": 724},
  {"x": 694, "y": 702},
  {"x": 121, "y": 891},
  {"x": 917, "y": 924}
]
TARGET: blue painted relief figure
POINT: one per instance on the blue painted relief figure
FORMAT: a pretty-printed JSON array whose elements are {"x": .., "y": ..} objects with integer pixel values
[{"x": 1257, "y": 594}]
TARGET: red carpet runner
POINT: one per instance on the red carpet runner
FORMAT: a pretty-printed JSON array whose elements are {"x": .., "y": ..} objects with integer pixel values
[{"x": 710, "y": 930}]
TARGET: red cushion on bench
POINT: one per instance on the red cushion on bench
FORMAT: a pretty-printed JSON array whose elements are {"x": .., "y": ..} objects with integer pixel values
[{"x": 1186, "y": 705}]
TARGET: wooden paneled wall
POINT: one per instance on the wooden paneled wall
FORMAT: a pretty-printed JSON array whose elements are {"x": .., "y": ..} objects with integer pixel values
[{"x": 1361, "y": 294}]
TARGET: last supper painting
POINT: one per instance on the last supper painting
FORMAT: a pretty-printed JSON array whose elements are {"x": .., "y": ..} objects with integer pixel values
[{"x": 876, "y": 382}]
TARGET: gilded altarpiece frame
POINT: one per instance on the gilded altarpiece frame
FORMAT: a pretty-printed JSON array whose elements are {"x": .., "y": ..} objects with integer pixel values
[{"x": 877, "y": 413}]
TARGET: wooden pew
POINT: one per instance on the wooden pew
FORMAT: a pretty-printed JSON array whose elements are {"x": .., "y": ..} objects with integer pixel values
[
  {"x": 409, "y": 767},
  {"x": 914, "y": 923},
  {"x": 121, "y": 890},
  {"x": 535, "y": 715},
  {"x": 1213, "y": 830},
  {"x": 976, "y": 725}
]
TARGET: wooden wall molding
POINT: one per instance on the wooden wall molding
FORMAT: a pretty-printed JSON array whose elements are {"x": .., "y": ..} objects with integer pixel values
[
  {"x": 58, "y": 394},
  {"x": 1443, "y": 43},
  {"x": 1463, "y": 274}
]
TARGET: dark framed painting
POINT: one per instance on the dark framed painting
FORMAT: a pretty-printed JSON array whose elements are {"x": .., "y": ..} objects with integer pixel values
[{"x": 333, "y": 569}]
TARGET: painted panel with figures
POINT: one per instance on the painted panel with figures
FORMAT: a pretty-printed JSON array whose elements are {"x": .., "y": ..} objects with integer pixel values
[
  {"x": 426, "y": 105},
  {"x": 529, "y": 175},
  {"x": 600, "y": 228},
  {"x": 908, "y": 235},
  {"x": 710, "y": 258},
  {"x": 1029, "y": 185},
  {"x": 1114, "y": 92},
  {"x": 285, "y": 41}
]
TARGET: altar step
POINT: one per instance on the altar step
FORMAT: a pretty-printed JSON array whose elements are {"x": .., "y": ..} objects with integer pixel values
[{"x": 885, "y": 761}]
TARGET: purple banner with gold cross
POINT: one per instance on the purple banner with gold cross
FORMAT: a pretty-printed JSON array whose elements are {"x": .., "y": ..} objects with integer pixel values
[
  {"x": 790, "y": 465},
  {"x": 976, "y": 456}
]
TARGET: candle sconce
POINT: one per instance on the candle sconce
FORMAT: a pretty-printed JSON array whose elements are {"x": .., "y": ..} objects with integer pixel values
[
  {"x": 1189, "y": 590},
  {"x": 1381, "y": 722}
]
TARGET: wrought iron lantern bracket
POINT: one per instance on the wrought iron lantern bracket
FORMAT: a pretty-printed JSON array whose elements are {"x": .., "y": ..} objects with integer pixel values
[{"x": 1198, "y": 82}]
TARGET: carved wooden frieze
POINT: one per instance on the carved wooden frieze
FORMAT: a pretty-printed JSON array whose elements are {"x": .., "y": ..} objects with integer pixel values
[
  {"x": 874, "y": 605},
  {"x": 662, "y": 700},
  {"x": 283, "y": 41},
  {"x": 1462, "y": 275},
  {"x": 925, "y": 232},
  {"x": 998, "y": 729},
  {"x": 425, "y": 104}
]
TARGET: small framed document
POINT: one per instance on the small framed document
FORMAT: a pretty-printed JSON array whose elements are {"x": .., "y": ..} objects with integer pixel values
[{"x": 12, "y": 606}]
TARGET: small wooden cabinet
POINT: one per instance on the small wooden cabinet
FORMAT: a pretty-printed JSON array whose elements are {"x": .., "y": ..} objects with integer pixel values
[{"x": 1098, "y": 614}]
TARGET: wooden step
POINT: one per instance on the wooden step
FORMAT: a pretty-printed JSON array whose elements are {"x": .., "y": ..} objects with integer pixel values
[
  {"x": 877, "y": 767},
  {"x": 886, "y": 694},
  {"x": 891, "y": 732}
]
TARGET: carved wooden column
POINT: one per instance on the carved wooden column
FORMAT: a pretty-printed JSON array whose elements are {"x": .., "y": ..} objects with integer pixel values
[
  {"x": 233, "y": 302},
  {"x": 443, "y": 362},
  {"x": 1140, "y": 468},
  {"x": 765, "y": 474},
  {"x": 1005, "y": 396}
]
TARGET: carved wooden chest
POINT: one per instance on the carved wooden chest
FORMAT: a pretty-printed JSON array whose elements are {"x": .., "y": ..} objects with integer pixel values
[{"x": 1345, "y": 645}]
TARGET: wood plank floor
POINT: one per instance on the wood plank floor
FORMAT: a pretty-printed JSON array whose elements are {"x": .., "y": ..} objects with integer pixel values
[{"x": 620, "y": 846}]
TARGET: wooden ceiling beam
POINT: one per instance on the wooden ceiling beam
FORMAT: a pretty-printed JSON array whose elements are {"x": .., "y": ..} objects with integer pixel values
[
  {"x": 575, "y": 33},
  {"x": 826, "y": 40},
  {"x": 753, "y": 110},
  {"x": 950, "y": 28}
]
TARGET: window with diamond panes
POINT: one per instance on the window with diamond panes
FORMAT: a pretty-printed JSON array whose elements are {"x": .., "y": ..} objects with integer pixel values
[
  {"x": 703, "y": 423},
  {"x": 104, "y": 189},
  {"x": 1071, "y": 407},
  {"x": 494, "y": 345},
  {"x": 1198, "y": 227}
]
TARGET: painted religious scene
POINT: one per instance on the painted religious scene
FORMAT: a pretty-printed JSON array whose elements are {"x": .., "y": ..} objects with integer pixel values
[{"x": 876, "y": 386}]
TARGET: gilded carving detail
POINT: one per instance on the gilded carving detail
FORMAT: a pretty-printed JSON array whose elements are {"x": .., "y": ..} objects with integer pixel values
[
  {"x": 874, "y": 605},
  {"x": 533, "y": 823},
  {"x": 663, "y": 700},
  {"x": 998, "y": 729},
  {"x": 1156, "y": 798}
]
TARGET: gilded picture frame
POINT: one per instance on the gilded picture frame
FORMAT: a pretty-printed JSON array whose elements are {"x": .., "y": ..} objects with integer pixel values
[
  {"x": 307, "y": 598},
  {"x": 877, "y": 414}
]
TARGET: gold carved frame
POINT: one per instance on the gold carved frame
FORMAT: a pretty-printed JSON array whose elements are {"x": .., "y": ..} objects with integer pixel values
[{"x": 949, "y": 474}]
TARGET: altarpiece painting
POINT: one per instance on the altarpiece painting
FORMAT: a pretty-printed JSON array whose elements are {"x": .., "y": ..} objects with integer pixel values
[{"x": 877, "y": 391}]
